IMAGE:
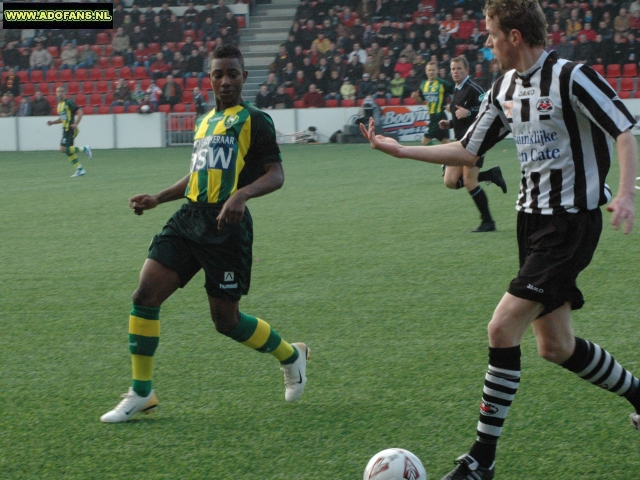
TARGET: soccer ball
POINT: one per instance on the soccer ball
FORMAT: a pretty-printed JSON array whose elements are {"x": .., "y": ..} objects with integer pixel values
[
  {"x": 395, "y": 464},
  {"x": 145, "y": 109}
]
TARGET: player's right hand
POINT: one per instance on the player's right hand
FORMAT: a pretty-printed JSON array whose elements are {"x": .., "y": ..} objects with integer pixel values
[{"x": 142, "y": 202}]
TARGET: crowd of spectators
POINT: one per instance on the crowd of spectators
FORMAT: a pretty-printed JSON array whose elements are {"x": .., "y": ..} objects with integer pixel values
[
  {"x": 380, "y": 48},
  {"x": 167, "y": 46}
]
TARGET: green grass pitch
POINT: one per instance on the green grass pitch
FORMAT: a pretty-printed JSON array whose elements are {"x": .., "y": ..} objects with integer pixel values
[{"x": 366, "y": 258}]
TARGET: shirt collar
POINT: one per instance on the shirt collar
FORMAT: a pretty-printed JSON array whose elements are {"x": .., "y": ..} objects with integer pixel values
[
  {"x": 534, "y": 68},
  {"x": 459, "y": 87}
]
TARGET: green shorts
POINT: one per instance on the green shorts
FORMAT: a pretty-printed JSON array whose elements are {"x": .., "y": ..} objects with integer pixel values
[
  {"x": 433, "y": 130},
  {"x": 68, "y": 137},
  {"x": 191, "y": 240}
]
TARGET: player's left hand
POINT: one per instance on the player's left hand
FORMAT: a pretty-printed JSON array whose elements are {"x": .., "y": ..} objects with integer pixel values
[
  {"x": 623, "y": 210},
  {"x": 232, "y": 210},
  {"x": 461, "y": 112},
  {"x": 379, "y": 142},
  {"x": 74, "y": 125}
]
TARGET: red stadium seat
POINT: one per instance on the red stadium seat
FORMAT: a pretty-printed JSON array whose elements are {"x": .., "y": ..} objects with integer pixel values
[
  {"x": 139, "y": 73},
  {"x": 95, "y": 99},
  {"x": 89, "y": 87},
  {"x": 117, "y": 61},
  {"x": 73, "y": 88},
  {"x": 624, "y": 94},
  {"x": 187, "y": 96},
  {"x": 53, "y": 102},
  {"x": 145, "y": 83},
  {"x": 102, "y": 86},
  {"x": 95, "y": 74},
  {"x": 117, "y": 109},
  {"x": 381, "y": 101},
  {"x": 97, "y": 49},
  {"x": 80, "y": 74},
  {"x": 164, "y": 108},
  {"x": 192, "y": 83},
  {"x": 179, "y": 108},
  {"x": 43, "y": 87},
  {"x": 613, "y": 70},
  {"x": 153, "y": 48},
  {"x": 81, "y": 100},
  {"x": 23, "y": 75},
  {"x": 125, "y": 72},
  {"x": 289, "y": 91},
  {"x": 161, "y": 82},
  {"x": 189, "y": 33},
  {"x": 108, "y": 98},
  {"x": 627, "y": 84},
  {"x": 331, "y": 103},
  {"x": 347, "y": 103},
  {"x": 630, "y": 70},
  {"x": 241, "y": 20},
  {"x": 359, "y": 102},
  {"x": 298, "y": 104},
  {"x": 180, "y": 82},
  {"x": 637, "y": 94},
  {"x": 104, "y": 110},
  {"x": 55, "y": 86},
  {"x": 53, "y": 50},
  {"x": 409, "y": 101},
  {"x": 394, "y": 101},
  {"x": 36, "y": 76},
  {"x": 613, "y": 82},
  {"x": 103, "y": 62},
  {"x": 171, "y": 46},
  {"x": 102, "y": 38},
  {"x": 88, "y": 110},
  {"x": 51, "y": 76},
  {"x": 482, "y": 25},
  {"x": 132, "y": 109},
  {"x": 66, "y": 75},
  {"x": 110, "y": 73},
  {"x": 108, "y": 50},
  {"x": 28, "y": 89},
  {"x": 460, "y": 48},
  {"x": 457, "y": 13},
  {"x": 57, "y": 62},
  {"x": 599, "y": 68}
]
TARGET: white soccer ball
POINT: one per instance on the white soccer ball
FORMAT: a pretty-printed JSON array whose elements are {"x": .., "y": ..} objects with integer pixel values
[
  {"x": 395, "y": 464},
  {"x": 144, "y": 108}
]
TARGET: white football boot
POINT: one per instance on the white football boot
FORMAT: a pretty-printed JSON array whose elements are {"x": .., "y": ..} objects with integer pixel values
[
  {"x": 295, "y": 376},
  {"x": 88, "y": 152},
  {"x": 132, "y": 404},
  {"x": 79, "y": 172}
]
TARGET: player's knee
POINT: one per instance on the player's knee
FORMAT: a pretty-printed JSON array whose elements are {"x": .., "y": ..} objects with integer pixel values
[
  {"x": 224, "y": 322},
  {"x": 501, "y": 332},
  {"x": 63, "y": 149},
  {"x": 145, "y": 297},
  {"x": 554, "y": 350},
  {"x": 449, "y": 183}
]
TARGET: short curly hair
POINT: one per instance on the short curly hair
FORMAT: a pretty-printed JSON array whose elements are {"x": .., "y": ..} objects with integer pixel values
[{"x": 229, "y": 51}]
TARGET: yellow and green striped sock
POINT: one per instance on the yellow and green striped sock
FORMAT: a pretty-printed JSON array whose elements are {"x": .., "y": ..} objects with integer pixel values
[
  {"x": 144, "y": 336},
  {"x": 257, "y": 334},
  {"x": 72, "y": 153}
]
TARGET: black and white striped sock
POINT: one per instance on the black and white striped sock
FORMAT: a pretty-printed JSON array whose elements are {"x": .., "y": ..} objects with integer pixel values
[{"x": 595, "y": 365}]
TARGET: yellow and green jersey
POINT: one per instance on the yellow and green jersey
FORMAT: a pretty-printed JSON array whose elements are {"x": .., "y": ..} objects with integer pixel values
[
  {"x": 434, "y": 93},
  {"x": 67, "y": 112},
  {"x": 230, "y": 149}
]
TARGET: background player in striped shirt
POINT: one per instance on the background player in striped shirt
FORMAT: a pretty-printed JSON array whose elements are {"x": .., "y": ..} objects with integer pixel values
[
  {"x": 464, "y": 106},
  {"x": 69, "y": 115},
  {"x": 564, "y": 118},
  {"x": 235, "y": 158}
]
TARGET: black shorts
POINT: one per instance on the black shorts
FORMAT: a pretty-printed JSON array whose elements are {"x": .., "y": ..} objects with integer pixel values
[
  {"x": 480, "y": 162},
  {"x": 553, "y": 250},
  {"x": 68, "y": 137},
  {"x": 433, "y": 130},
  {"x": 191, "y": 240}
]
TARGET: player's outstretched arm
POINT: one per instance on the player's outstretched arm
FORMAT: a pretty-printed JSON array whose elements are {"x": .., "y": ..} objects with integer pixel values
[
  {"x": 141, "y": 202},
  {"x": 444, "y": 154},
  {"x": 622, "y": 205},
  {"x": 233, "y": 209}
]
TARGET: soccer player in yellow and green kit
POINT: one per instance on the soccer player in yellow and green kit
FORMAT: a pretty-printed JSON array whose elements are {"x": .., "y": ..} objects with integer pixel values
[
  {"x": 69, "y": 115},
  {"x": 235, "y": 158},
  {"x": 434, "y": 92}
]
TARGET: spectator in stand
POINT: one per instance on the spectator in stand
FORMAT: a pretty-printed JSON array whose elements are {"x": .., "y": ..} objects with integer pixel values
[
  {"x": 396, "y": 11},
  {"x": 622, "y": 23},
  {"x": 207, "y": 12},
  {"x": 618, "y": 50},
  {"x": 602, "y": 51},
  {"x": 190, "y": 18},
  {"x": 340, "y": 65},
  {"x": 347, "y": 90},
  {"x": 385, "y": 33},
  {"x": 565, "y": 48},
  {"x": 173, "y": 29},
  {"x": 494, "y": 73},
  {"x": 358, "y": 52},
  {"x": 165, "y": 13},
  {"x": 308, "y": 34},
  {"x": 221, "y": 12},
  {"x": 371, "y": 67},
  {"x": 141, "y": 57},
  {"x": 433, "y": 27},
  {"x": 40, "y": 59},
  {"x": 69, "y": 57},
  {"x": 481, "y": 77},
  {"x": 584, "y": 50},
  {"x": 334, "y": 85},
  {"x": 387, "y": 66},
  {"x": 382, "y": 87},
  {"x": 446, "y": 42},
  {"x": 368, "y": 36},
  {"x": 137, "y": 36},
  {"x": 420, "y": 17},
  {"x": 178, "y": 65},
  {"x": 171, "y": 93},
  {"x": 556, "y": 33},
  {"x": 156, "y": 32},
  {"x": 120, "y": 42},
  {"x": 40, "y": 106},
  {"x": 413, "y": 81},
  {"x": 138, "y": 94},
  {"x": 449, "y": 25},
  {"x": 347, "y": 18},
  {"x": 402, "y": 67},
  {"x": 322, "y": 43},
  {"x": 128, "y": 25},
  {"x": 11, "y": 56},
  {"x": 300, "y": 85},
  {"x": 409, "y": 53},
  {"x": 11, "y": 83},
  {"x": 159, "y": 68},
  {"x": 320, "y": 10},
  {"x": 396, "y": 86},
  {"x": 148, "y": 14},
  {"x": 288, "y": 75},
  {"x": 396, "y": 45},
  {"x": 200, "y": 102},
  {"x": 135, "y": 13},
  {"x": 574, "y": 24},
  {"x": 313, "y": 98},
  {"x": 264, "y": 99},
  {"x": 635, "y": 21},
  {"x": 321, "y": 83},
  {"x": 226, "y": 37},
  {"x": 272, "y": 82},
  {"x": 194, "y": 65},
  {"x": 354, "y": 68},
  {"x": 281, "y": 60},
  {"x": 24, "y": 107},
  {"x": 632, "y": 50},
  {"x": 121, "y": 94},
  {"x": 209, "y": 30},
  {"x": 7, "y": 108},
  {"x": 232, "y": 26},
  {"x": 589, "y": 32},
  {"x": 465, "y": 28},
  {"x": 307, "y": 68},
  {"x": 365, "y": 86},
  {"x": 147, "y": 105}
]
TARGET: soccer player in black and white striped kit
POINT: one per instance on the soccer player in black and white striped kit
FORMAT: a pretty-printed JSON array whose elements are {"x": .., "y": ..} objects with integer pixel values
[{"x": 564, "y": 118}]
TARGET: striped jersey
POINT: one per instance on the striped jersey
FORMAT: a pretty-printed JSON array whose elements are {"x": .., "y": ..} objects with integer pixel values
[
  {"x": 67, "y": 113},
  {"x": 563, "y": 117},
  {"x": 230, "y": 149},
  {"x": 435, "y": 93}
]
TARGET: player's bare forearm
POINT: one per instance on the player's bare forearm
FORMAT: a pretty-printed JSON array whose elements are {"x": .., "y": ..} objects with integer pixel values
[
  {"x": 140, "y": 203},
  {"x": 623, "y": 205}
]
